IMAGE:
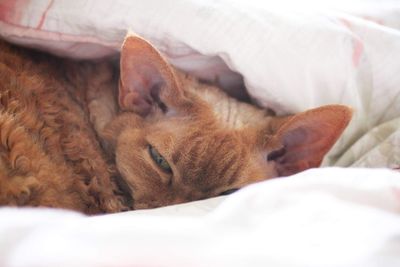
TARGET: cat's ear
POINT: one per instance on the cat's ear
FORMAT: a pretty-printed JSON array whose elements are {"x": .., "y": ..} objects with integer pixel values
[
  {"x": 302, "y": 140},
  {"x": 146, "y": 79}
]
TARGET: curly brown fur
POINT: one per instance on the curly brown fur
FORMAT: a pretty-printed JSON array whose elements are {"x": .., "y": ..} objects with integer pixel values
[{"x": 50, "y": 155}]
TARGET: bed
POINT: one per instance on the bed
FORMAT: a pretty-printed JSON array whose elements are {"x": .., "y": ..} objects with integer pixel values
[{"x": 290, "y": 56}]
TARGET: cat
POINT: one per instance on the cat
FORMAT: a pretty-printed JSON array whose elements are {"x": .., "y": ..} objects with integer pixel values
[{"x": 91, "y": 137}]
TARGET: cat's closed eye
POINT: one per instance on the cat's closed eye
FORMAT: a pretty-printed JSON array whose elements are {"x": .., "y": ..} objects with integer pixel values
[{"x": 161, "y": 162}]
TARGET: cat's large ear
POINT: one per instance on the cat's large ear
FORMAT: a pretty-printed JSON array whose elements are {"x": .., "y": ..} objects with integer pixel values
[
  {"x": 303, "y": 139},
  {"x": 145, "y": 79}
]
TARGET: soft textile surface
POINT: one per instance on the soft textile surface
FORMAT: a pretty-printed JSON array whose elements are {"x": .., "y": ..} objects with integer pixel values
[
  {"x": 291, "y": 56},
  {"x": 322, "y": 217}
]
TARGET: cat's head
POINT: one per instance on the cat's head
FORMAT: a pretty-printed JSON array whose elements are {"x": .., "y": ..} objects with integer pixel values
[{"x": 171, "y": 147}]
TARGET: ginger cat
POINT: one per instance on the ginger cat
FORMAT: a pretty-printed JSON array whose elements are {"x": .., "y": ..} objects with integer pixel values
[{"x": 69, "y": 138}]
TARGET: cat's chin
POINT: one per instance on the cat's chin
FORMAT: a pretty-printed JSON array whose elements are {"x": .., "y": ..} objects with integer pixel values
[
  {"x": 143, "y": 206},
  {"x": 151, "y": 205}
]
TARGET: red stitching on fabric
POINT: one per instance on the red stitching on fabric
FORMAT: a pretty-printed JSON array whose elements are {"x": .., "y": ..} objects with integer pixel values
[{"x": 43, "y": 17}]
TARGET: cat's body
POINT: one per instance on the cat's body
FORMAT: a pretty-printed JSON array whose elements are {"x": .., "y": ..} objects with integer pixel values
[
  {"x": 69, "y": 139},
  {"x": 50, "y": 154}
]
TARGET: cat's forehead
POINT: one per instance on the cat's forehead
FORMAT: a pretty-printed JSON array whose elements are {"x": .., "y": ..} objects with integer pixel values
[{"x": 210, "y": 159}]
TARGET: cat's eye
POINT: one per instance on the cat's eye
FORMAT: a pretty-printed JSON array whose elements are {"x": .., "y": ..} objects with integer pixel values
[
  {"x": 228, "y": 192},
  {"x": 159, "y": 160}
]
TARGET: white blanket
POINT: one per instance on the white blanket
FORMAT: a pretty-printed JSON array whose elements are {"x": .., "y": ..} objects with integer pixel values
[
  {"x": 322, "y": 217},
  {"x": 291, "y": 56}
]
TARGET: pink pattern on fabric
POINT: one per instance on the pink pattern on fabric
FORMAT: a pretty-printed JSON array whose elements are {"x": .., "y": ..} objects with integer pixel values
[
  {"x": 43, "y": 17},
  {"x": 396, "y": 193},
  {"x": 346, "y": 23},
  {"x": 60, "y": 43},
  {"x": 376, "y": 20},
  {"x": 358, "y": 46},
  {"x": 358, "y": 49},
  {"x": 10, "y": 10}
]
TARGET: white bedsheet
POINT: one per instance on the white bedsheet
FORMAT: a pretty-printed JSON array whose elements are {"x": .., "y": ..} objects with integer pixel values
[
  {"x": 321, "y": 217},
  {"x": 292, "y": 56}
]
